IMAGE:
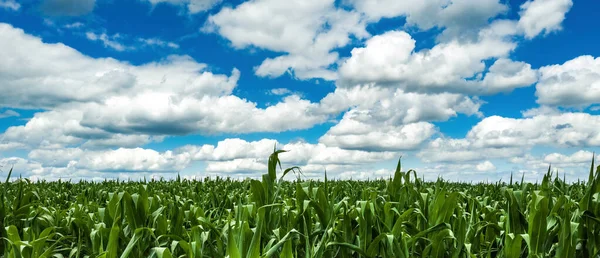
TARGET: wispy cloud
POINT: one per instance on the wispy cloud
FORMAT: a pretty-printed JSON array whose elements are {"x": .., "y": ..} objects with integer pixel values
[
  {"x": 154, "y": 42},
  {"x": 121, "y": 43},
  {"x": 280, "y": 91},
  {"x": 10, "y": 4},
  {"x": 9, "y": 113},
  {"x": 109, "y": 41},
  {"x": 75, "y": 25}
]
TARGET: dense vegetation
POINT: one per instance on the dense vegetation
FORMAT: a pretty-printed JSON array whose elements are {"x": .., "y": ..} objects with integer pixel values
[{"x": 400, "y": 217}]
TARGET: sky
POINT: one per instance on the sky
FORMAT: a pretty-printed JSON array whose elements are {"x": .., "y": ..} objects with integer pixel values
[{"x": 459, "y": 89}]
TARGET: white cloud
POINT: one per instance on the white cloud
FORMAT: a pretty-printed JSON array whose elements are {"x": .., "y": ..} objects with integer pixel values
[
  {"x": 10, "y": 4},
  {"x": 463, "y": 172},
  {"x": 117, "y": 42},
  {"x": 353, "y": 134},
  {"x": 154, "y": 42},
  {"x": 501, "y": 137},
  {"x": 396, "y": 106},
  {"x": 155, "y": 113},
  {"x": 280, "y": 91},
  {"x": 38, "y": 171},
  {"x": 56, "y": 157},
  {"x": 137, "y": 159},
  {"x": 9, "y": 113},
  {"x": 96, "y": 111},
  {"x": 299, "y": 153},
  {"x": 4, "y": 146},
  {"x": 75, "y": 25},
  {"x": 576, "y": 83},
  {"x": 578, "y": 158},
  {"x": 193, "y": 6},
  {"x": 539, "y": 16},
  {"x": 563, "y": 130},
  {"x": 463, "y": 150},
  {"x": 541, "y": 110},
  {"x": 363, "y": 174},
  {"x": 240, "y": 158},
  {"x": 389, "y": 60},
  {"x": 108, "y": 41},
  {"x": 250, "y": 167},
  {"x": 387, "y": 119},
  {"x": 505, "y": 75},
  {"x": 323, "y": 154},
  {"x": 93, "y": 97},
  {"x": 485, "y": 166},
  {"x": 118, "y": 160},
  {"x": 572, "y": 166},
  {"x": 457, "y": 17},
  {"x": 305, "y": 31},
  {"x": 20, "y": 166},
  {"x": 236, "y": 148},
  {"x": 62, "y": 128},
  {"x": 230, "y": 157}
]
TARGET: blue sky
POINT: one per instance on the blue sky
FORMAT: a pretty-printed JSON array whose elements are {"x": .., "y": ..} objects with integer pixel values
[{"x": 466, "y": 90}]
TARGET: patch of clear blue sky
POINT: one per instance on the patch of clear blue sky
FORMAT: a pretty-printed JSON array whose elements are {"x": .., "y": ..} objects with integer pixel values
[{"x": 24, "y": 116}]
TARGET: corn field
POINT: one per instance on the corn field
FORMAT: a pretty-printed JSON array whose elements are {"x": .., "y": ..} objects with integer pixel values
[{"x": 403, "y": 216}]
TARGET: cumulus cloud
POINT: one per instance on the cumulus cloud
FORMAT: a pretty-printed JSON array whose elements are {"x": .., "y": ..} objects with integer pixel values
[
  {"x": 456, "y": 17},
  {"x": 576, "y": 83},
  {"x": 463, "y": 172},
  {"x": 398, "y": 107},
  {"x": 162, "y": 114},
  {"x": 237, "y": 166},
  {"x": 578, "y": 158},
  {"x": 21, "y": 166},
  {"x": 240, "y": 158},
  {"x": 67, "y": 7},
  {"x": 364, "y": 174},
  {"x": 306, "y": 32},
  {"x": 91, "y": 99},
  {"x": 485, "y": 166},
  {"x": 572, "y": 166},
  {"x": 448, "y": 150},
  {"x": 539, "y": 16},
  {"x": 563, "y": 130},
  {"x": 61, "y": 128},
  {"x": 389, "y": 59},
  {"x": 501, "y": 137},
  {"x": 4, "y": 146},
  {"x": 387, "y": 119},
  {"x": 97, "y": 112},
  {"x": 300, "y": 153},
  {"x": 505, "y": 75},
  {"x": 352, "y": 134},
  {"x": 236, "y": 148},
  {"x": 137, "y": 159},
  {"x": 230, "y": 157},
  {"x": 305, "y": 153}
]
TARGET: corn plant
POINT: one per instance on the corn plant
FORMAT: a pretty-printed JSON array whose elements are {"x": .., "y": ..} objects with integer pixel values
[{"x": 403, "y": 216}]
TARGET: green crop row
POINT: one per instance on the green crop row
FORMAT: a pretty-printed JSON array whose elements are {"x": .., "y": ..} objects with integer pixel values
[{"x": 400, "y": 217}]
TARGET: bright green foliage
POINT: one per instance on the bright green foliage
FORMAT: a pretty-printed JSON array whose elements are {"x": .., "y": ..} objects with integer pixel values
[{"x": 400, "y": 217}]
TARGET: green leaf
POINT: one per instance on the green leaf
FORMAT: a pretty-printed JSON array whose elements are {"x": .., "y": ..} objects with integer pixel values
[{"x": 112, "y": 249}]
